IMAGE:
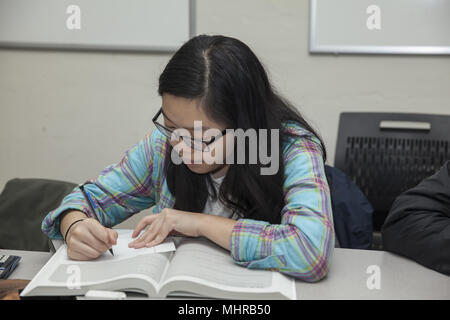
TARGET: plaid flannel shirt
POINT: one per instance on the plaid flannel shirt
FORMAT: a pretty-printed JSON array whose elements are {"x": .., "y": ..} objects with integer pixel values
[{"x": 300, "y": 246}]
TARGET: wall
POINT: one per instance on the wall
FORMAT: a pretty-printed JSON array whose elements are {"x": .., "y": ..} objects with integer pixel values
[{"x": 66, "y": 115}]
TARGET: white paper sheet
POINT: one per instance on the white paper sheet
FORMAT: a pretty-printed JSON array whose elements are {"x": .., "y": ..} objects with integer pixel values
[{"x": 121, "y": 250}]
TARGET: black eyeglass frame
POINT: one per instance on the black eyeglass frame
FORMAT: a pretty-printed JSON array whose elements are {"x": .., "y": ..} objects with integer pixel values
[{"x": 207, "y": 143}]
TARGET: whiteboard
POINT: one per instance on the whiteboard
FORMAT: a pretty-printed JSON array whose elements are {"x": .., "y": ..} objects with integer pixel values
[
  {"x": 136, "y": 25},
  {"x": 380, "y": 26}
]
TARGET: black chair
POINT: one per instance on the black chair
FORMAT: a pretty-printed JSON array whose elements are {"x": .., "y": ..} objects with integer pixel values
[
  {"x": 386, "y": 154},
  {"x": 23, "y": 205}
]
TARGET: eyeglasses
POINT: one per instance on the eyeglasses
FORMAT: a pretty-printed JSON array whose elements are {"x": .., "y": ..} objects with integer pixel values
[{"x": 196, "y": 144}]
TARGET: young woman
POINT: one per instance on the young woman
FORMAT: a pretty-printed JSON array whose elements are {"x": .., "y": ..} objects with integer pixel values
[{"x": 279, "y": 220}]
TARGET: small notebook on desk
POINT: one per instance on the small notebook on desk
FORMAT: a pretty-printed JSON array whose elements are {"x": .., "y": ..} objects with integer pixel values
[{"x": 191, "y": 267}]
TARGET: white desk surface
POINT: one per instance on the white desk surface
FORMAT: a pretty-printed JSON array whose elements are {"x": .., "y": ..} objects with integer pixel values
[{"x": 400, "y": 278}]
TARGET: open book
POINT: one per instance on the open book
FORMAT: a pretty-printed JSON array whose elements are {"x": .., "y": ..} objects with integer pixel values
[{"x": 197, "y": 268}]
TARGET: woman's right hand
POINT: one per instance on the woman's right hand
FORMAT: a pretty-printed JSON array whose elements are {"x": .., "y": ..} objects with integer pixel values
[{"x": 88, "y": 239}]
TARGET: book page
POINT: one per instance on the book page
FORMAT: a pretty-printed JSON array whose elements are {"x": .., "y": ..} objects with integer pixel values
[
  {"x": 124, "y": 261},
  {"x": 121, "y": 250},
  {"x": 152, "y": 266},
  {"x": 202, "y": 261},
  {"x": 147, "y": 263}
]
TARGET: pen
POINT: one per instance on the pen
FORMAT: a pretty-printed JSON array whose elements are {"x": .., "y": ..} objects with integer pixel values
[{"x": 88, "y": 199}]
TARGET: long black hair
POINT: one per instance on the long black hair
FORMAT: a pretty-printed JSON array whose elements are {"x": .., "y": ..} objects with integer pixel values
[{"x": 233, "y": 87}]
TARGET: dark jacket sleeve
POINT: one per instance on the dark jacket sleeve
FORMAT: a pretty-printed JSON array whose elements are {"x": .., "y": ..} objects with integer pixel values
[{"x": 418, "y": 225}]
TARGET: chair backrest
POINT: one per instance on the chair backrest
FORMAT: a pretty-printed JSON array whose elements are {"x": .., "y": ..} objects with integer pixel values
[
  {"x": 23, "y": 205},
  {"x": 386, "y": 154}
]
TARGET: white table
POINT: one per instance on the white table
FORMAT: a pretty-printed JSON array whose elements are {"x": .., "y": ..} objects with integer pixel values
[{"x": 400, "y": 278}]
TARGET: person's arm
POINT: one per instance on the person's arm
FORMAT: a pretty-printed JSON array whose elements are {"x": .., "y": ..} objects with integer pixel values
[
  {"x": 217, "y": 229},
  {"x": 119, "y": 191},
  {"x": 176, "y": 222},
  {"x": 68, "y": 217},
  {"x": 302, "y": 245},
  {"x": 418, "y": 225}
]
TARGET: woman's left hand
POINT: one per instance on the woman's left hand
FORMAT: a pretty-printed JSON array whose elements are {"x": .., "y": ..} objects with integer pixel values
[{"x": 162, "y": 224}]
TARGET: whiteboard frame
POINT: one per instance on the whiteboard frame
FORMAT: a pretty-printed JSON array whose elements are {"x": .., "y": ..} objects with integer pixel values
[
  {"x": 337, "y": 49},
  {"x": 120, "y": 48}
]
